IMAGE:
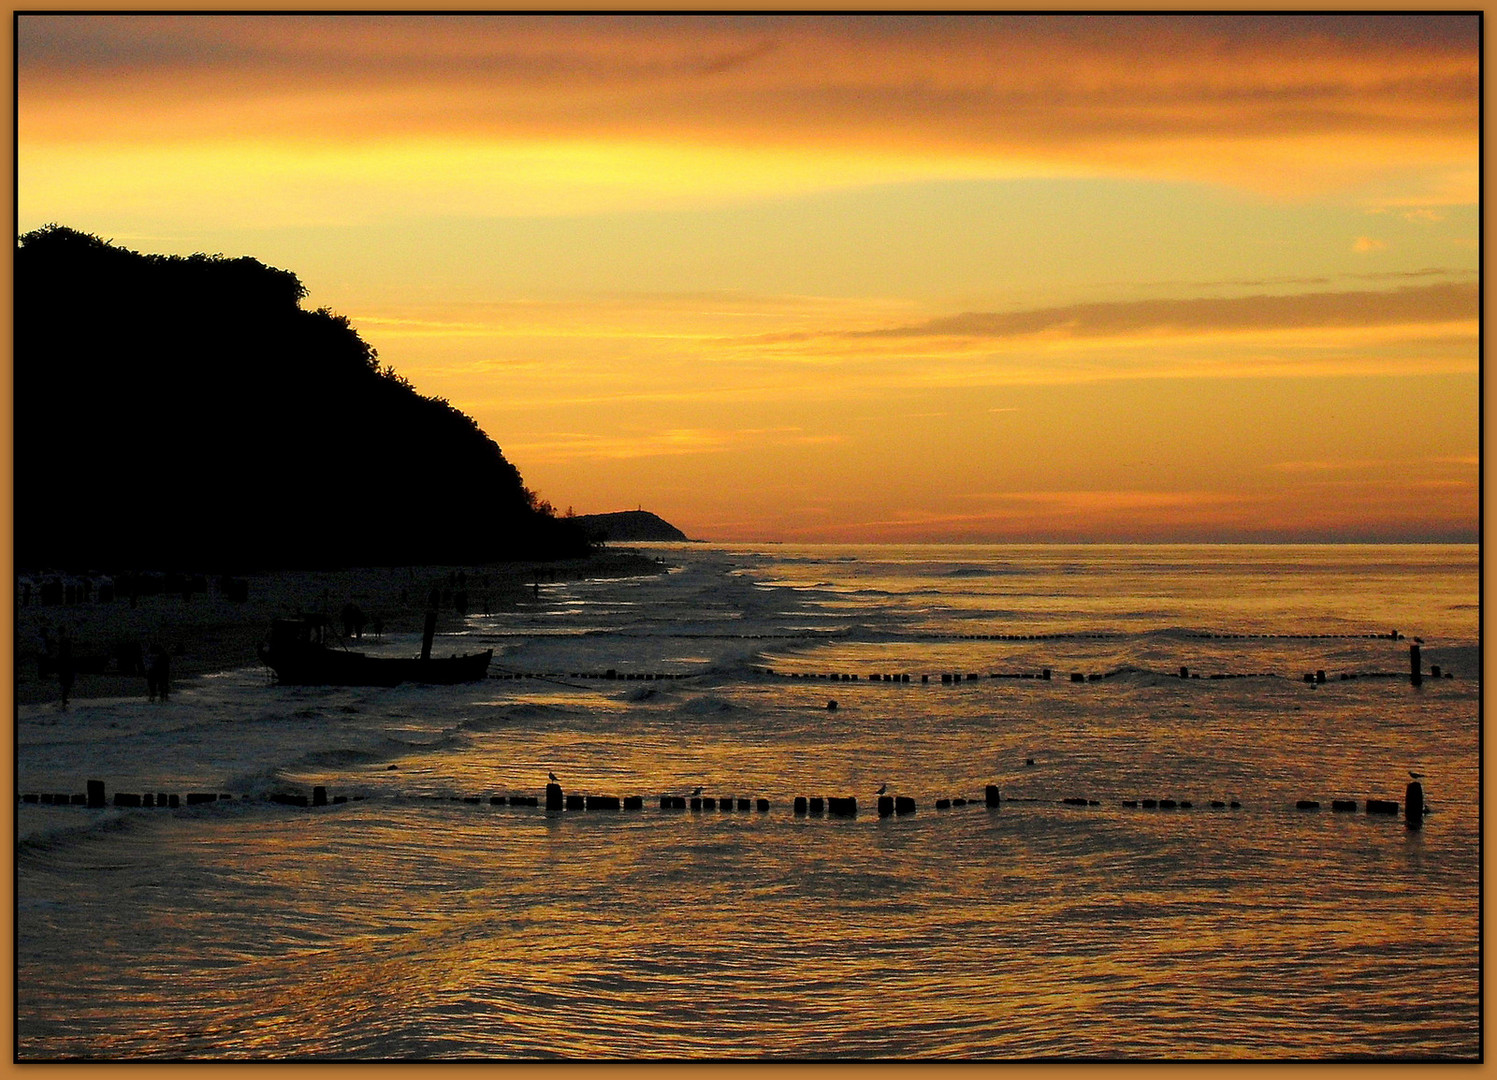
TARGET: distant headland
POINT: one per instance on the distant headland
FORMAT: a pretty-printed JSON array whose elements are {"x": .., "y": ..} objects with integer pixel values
[
  {"x": 637, "y": 525},
  {"x": 186, "y": 411}
]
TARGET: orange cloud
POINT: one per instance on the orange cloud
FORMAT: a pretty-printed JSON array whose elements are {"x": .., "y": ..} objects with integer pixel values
[{"x": 1272, "y": 100}]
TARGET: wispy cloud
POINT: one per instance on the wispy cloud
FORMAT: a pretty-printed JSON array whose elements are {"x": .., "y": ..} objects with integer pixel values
[
  {"x": 1428, "y": 304},
  {"x": 673, "y": 442}
]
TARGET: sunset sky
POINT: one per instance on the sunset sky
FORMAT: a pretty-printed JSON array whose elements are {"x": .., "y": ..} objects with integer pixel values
[{"x": 845, "y": 278}]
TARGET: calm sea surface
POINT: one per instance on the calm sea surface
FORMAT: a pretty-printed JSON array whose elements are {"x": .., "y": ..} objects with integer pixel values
[{"x": 412, "y": 924}]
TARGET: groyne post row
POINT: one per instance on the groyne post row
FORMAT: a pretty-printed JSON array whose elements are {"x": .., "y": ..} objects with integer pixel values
[
  {"x": 556, "y": 800},
  {"x": 951, "y": 678}
]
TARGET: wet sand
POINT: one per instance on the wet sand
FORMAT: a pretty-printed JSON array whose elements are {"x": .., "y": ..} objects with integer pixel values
[{"x": 209, "y": 632}]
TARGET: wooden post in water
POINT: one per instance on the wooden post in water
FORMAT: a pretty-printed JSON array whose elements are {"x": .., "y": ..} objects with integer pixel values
[
  {"x": 1413, "y": 800},
  {"x": 885, "y": 805},
  {"x": 1416, "y": 676},
  {"x": 554, "y": 797},
  {"x": 96, "y": 794},
  {"x": 991, "y": 794},
  {"x": 426, "y": 634}
]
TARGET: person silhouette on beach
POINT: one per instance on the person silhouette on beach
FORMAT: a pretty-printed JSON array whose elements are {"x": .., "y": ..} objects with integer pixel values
[
  {"x": 158, "y": 673},
  {"x": 65, "y": 667}
]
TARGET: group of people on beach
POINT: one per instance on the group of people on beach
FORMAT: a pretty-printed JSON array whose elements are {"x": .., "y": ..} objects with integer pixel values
[{"x": 155, "y": 665}]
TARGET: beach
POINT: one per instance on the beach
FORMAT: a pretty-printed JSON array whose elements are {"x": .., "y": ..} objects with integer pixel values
[{"x": 208, "y": 631}]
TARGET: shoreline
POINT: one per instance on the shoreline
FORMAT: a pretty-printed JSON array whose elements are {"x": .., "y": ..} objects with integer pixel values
[{"x": 209, "y": 632}]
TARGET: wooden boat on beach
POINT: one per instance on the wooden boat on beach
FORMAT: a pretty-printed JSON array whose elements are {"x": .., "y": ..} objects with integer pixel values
[{"x": 300, "y": 655}]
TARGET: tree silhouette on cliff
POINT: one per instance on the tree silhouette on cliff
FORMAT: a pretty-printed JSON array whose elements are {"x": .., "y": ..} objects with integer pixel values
[{"x": 187, "y": 410}]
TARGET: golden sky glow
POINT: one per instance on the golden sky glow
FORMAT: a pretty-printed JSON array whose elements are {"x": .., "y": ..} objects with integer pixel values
[{"x": 846, "y": 278}]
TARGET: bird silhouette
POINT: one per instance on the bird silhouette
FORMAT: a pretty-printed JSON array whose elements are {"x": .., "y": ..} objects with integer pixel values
[
  {"x": 881, "y": 789},
  {"x": 697, "y": 792},
  {"x": 552, "y": 775},
  {"x": 1416, "y": 775}
]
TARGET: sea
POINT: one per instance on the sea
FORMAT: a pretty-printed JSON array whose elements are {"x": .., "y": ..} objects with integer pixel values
[{"x": 1104, "y": 757}]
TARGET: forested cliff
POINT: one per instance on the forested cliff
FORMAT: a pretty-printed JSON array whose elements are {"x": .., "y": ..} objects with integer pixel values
[{"x": 178, "y": 410}]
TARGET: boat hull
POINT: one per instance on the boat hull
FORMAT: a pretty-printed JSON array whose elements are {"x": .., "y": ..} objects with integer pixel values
[{"x": 318, "y": 666}]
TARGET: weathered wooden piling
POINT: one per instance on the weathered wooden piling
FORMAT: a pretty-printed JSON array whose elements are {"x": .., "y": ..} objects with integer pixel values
[
  {"x": 634, "y": 802},
  {"x": 943, "y": 804},
  {"x": 1149, "y": 804},
  {"x": 1382, "y": 806},
  {"x": 428, "y": 629},
  {"x": 885, "y": 805},
  {"x": 95, "y": 794},
  {"x": 555, "y": 800},
  {"x": 1416, "y": 676},
  {"x": 762, "y": 806},
  {"x": 842, "y": 806},
  {"x": 1166, "y": 804},
  {"x": 337, "y": 799},
  {"x": 576, "y": 802},
  {"x": 496, "y": 800},
  {"x": 1320, "y": 675},
  {"x": 1344, "y": 806},
  {"x": 709, "y": 802},
  {"x": 195, "y": 798},
  {"x": 1184, "y": 672},
  {"x": 1413, "y": 802},
  {"x": 696, "y": 803},
  {"x": 991, "y": 796},
  {"x": 1077, "y": 676},
  {"x": 904, "y": 804},
  {"x": 601, "y": 802},
  {"x": 817, "y": 806},
  {"x": 319, "y": 796},
  {"x": 958, "y": 802},
  {"x": 1307, "y": 804},
  {"x": 1045, "y": 674},
  {"x": 1434, "y": 671},
  {"x": 800, "y": 805},
  {"x": 745, "y": 804}
]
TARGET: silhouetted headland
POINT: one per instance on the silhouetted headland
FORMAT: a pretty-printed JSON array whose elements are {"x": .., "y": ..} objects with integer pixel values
[
  {"x": 628, "y": 525},
  {"x": 179, "y": 410}
]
